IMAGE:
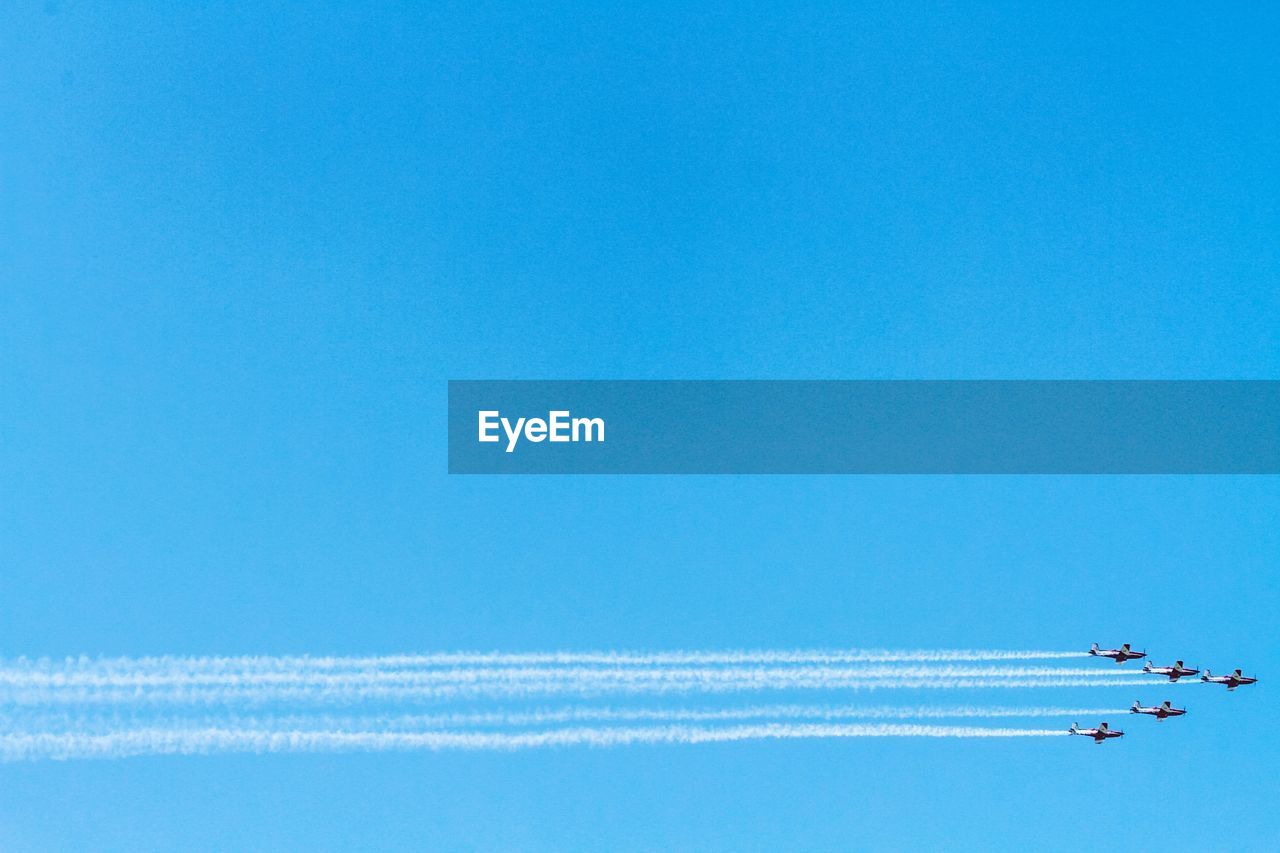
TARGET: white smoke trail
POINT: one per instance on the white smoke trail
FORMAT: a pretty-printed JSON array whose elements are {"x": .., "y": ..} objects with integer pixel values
[
  {"x": 704, "y": 658},
  {"x": 775, "y": 712},
  {"x": 110, "y": 707},
  {"x": 215, "y": 740},
  {"x": 174, "y": 675},
  {"x": 40, "y": 697},
  {"x": 44, "y": 721},
  {"x": 253, "y": 694}
]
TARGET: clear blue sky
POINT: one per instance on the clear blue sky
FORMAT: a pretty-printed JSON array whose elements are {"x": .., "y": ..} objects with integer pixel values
[{"x": 242, "y": 249}]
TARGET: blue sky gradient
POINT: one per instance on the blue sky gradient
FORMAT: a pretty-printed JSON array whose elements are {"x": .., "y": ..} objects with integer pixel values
[{"x": 242, "y": 248}]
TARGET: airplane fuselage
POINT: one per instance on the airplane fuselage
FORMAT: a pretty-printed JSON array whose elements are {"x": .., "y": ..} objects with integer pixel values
[
  {"x": 1173, "y": 672},
  {"x": 1098, "y": 735},
  {"x": 1117, "y": 655},
  {"x": 1160, "y": 713}
]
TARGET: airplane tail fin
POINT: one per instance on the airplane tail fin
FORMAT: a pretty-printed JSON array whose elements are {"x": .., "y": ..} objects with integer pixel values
[
  {"x": 1137, "y": 703},
  {"x": 1093, "y": 650}
]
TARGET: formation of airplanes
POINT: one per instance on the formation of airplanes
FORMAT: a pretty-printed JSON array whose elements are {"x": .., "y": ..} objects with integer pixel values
[{"x": 1165, "y": 709}]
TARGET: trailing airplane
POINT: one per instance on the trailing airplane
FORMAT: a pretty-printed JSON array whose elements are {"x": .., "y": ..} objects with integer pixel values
[
  {"x": 1101, "y": 733},
  {"x": 1174, "y": 672},
  {"x": 1232, "y": 681},
  {"x": 1160, "y": 712},
  {"x": 1119, "y": 655}
]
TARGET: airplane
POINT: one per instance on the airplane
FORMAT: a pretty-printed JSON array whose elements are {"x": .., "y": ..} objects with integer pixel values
[
  {"x": 1174, "y": 672},
  {"x": 1160, "y": 712},
  {"x": 1232, "y": 681},
  {"x": 1119, "y": 655},
  {"x": 1099, "y": 734}
]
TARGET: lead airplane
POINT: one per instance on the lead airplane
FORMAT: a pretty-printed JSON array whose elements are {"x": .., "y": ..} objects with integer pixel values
[
  {"x": 1101, "y": 733},
  {"x": 1174, "y": 672},
  {"x": 1232, "y": 681},
  {"x": 1161, "y": 712},
  {"x": 1119, "y": 655}
]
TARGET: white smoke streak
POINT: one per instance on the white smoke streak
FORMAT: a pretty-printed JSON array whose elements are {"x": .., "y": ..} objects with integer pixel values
[
  {"x": 253, "y": 694},
  {"x": 63, "y": 721},
  {"x": 175, "y": 675},
  {"x": 215, "y": 740},
  {"x": 114, "y": 707},
  {"x": 776, "y": 712},
  {"x": 47, "y": 722},
  {"x": 702, "y": 658}
]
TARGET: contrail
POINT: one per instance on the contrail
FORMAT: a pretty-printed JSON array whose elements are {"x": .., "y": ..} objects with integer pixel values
[
  {"x": 777, "y": 712},
  {"x": 760, "y": 656},
  {"x": 215, "y": 740},
  {"x": 354, "y": 693},
  {"x": 259, "y": 681},
  {"x": 174, "y": 675},
  {"x": 571, "y": 714},
  {"x": 115, "y": 707},
  {"x": 267, "y": 679}
]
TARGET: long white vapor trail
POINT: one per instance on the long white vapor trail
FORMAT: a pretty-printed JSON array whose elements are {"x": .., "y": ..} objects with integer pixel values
[
  {"x": 110, "y": 707},
  {"x": 63, "y": 721},
  {"x": 420, "y": 678},
  {"x": 622, "y": 658},
  {"x": 177, "y": 675},
  {"x": 212, "y": 740},
  {"x": 776, "y": 712},
  {"x": 352, "y": 693}
]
